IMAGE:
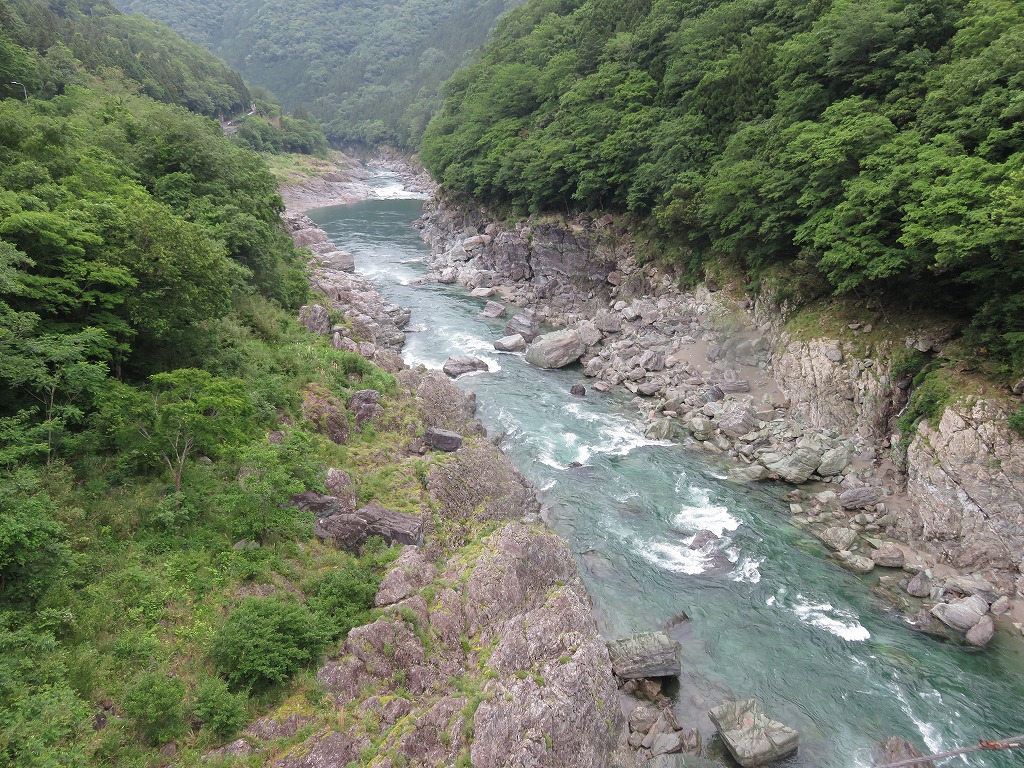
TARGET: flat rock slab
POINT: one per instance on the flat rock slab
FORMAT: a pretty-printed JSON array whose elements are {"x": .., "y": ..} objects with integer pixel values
[
  {"x": 647, "y": 654},
  {"x": 751, "y": 736},
  {"x": 442, "y": 439},
  {"x": 461, "y": 365}
]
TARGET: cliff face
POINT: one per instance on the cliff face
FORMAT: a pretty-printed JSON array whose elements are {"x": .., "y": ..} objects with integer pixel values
[
  {"x": 729, "y": 374},
  {"x": 966, "y": 482}
]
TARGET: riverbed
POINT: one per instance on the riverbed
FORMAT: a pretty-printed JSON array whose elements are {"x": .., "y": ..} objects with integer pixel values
[{"x": 770, "y": 615}]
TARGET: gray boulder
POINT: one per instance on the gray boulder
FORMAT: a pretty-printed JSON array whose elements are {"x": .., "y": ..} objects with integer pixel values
[
  {"x": 751, "y": 736},
  {"x": 461, "y": 365},
  {"x": 493, "y": 310},
  {"x": 961, "y": 614},
  {"x": 647, "y": 654},
  {"x": 525, "y": 324},
  {"x": 442, "y": 439},
  {"x": 316, "y": 319},
  {"x": 350, "y": 531},
  {"x": 982, "y": 632},
  {"x": 838, "y": 538},
  {"x": 920, "y": 585},
  {"x": 320, "y": 504},
  {"x": 589, "y": 333},
  {"x": 755, "y": 473},
  {"x": 513, "y": 343},
  {"x": 365, "y": 406},
  {"x": 608, "y": 322},
  {"x": 859, "y": 498},
  {"x": 737, "y": 418},
  {"x": 798, "y": 466},
  {"x": 835, "y": 461},
  {"x": 555, "y": 350},
  {"x": 851, "y": 561},
  {"x": 889, "y": 556}
]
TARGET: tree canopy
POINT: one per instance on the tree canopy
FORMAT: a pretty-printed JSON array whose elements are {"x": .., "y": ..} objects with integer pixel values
[
  {"x": 876, "y": 143},
  {"x": 369, "y": 71}
]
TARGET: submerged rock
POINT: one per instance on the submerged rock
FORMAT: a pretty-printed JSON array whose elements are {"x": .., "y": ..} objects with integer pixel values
[
  {"x": 894, "y": 750},
  {"x": 751, "y": 736},
  {"x": 647, "y": 654}
]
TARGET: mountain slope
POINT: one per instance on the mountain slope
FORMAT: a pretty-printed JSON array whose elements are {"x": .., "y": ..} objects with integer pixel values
[
  {"x": 370, "y": 71},
  {"x": 870, "y": 147}
]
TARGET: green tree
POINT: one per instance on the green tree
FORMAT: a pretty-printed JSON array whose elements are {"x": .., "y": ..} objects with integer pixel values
[{"x": 179, "y": 414}]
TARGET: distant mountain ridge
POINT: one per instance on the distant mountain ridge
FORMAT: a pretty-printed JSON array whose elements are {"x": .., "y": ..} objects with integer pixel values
[{"x": 370, "y": 71}]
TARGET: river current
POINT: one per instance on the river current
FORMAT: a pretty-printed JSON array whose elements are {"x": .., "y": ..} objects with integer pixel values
[{"x": 770, "y": 615}]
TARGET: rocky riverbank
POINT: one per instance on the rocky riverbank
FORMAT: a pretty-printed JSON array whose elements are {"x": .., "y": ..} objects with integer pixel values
[
  {"x": 774, "y": 401},
  {"x": 486, "y": 649}
]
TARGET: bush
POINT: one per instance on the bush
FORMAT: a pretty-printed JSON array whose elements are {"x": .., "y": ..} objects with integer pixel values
[
  {"x": 156, "y": 703},
  {"x": 224, "y": 712},
  {"x": 265, "y": 641},
  {"x": 342, "y": 599},
  {"x": 1017, "y": 421},
  {"x": 927, "y": 402}
]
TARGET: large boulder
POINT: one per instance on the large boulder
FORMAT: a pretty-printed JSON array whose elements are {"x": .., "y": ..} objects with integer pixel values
[
  {"x": 442, "y": 439},
  {"x": 555, "y": 350},
  {"x": 493, "y": 310},
  {"x": 513, "y": 343},
  {"x": 961, "y": 614},
  {"x": 751, "y": 736},
  {"x": 525, "y": 324},
  {"x": 737, "y": 418},
  {"x": 798, "y": 466},
  {"x": 350, "y": 531},
  {"x": 647, "y": 654},
  {"x": 460, "y": 365},
  {"x": 320, "y": 504},
  {"x": 316, "y": 319},
  {"x": 858, "y": 498},
  {"x": 838, "y": 538}
]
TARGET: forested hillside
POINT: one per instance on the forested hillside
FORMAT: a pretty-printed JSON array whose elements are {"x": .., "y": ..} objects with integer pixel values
[
  {"x": 867, "y": 147},
  {"x": 370, "y": 71},
  {"x": 147, "y": 345}
]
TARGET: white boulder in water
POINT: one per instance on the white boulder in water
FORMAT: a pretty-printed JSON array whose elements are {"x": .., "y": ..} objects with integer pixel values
[{"x": 751, "y": 736}]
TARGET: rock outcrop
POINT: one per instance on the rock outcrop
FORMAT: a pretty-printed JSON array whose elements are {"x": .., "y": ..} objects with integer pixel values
[{"x": 555, "y": 350}]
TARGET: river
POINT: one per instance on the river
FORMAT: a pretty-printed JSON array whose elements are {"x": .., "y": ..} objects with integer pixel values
[{"x": 770, "y": 615}]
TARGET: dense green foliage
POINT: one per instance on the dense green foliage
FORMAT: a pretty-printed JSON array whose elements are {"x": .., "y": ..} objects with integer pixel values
[
  {"x": 50, "y": 46},
  {"x": 876, "y": 143},
  {"x": 266, "y": 641},
  {"x": 370, "y": 71},
  {"x": 147, "y": 346}
]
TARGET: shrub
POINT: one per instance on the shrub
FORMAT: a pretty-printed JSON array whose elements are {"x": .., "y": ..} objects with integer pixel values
[
  {"x": 156, "y": 703},
  {"x": 927, "y": 402},
  {"x": 342, "y": 599},
  {"x": 220, "y": 709},
  {"x": 1017, "y": 421},
  {"x": 264, "y": 642}
]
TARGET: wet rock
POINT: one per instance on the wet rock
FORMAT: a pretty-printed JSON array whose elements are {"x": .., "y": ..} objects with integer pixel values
[
  {"x": 525, "y": 324},
  {"x": 755, "y": 473},
  {"x": 493, "y": 310},
  {"x": 851, "y": 561},
  {"x": 365, "y": 406},
  {"x": 981, "y": 633},
  {"x": 647, "y": 654},
  {"x": 894, "y": 750},
  {"x": 662, "y": 429},
  {"x": 838, "y": 538},
  {"x": 514, "y": 343},
  {"x": 751, "y": 736},
  {"x": 961, "y": 614},
  {"x": 442, "y": 439},
  {"x": 316, "y": 319},
  {"x": 578, "y": 390},
  {"x": 666, "y": 743},
  {"x": 555, "y": 350},
  {"x": 889, "y": 556},
  {"x": 461, "y": 365}
]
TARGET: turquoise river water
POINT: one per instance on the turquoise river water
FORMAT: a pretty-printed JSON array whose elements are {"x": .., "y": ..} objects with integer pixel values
[{"x": 782, "y": 623}]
